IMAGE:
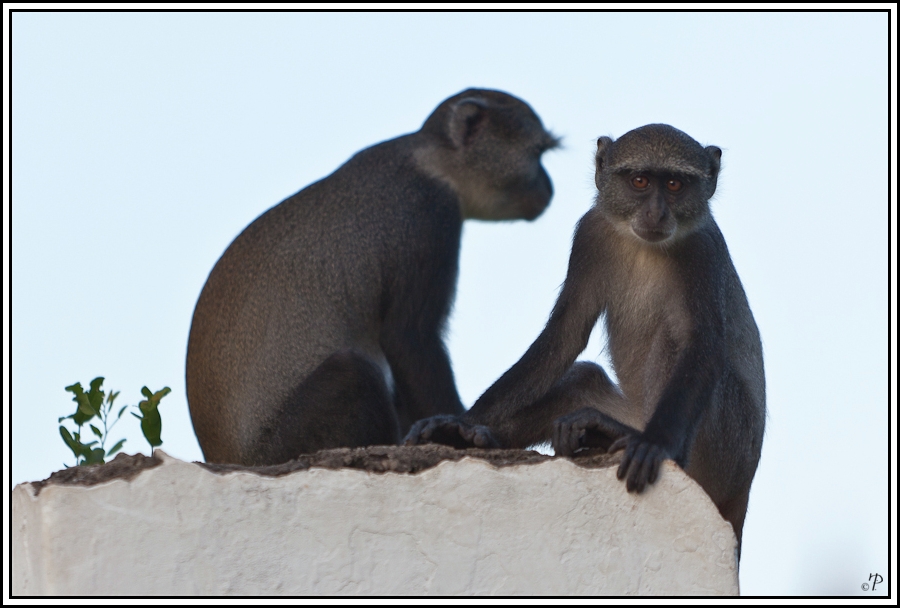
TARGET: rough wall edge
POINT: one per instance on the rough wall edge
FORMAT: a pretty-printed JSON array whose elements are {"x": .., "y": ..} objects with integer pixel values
[
  {"x": 374, "y": 459},
  {"x": 492, "y": 459}
]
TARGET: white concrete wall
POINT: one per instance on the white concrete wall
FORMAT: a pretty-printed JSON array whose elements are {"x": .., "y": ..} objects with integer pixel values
[{"x": 461, "y": 527}]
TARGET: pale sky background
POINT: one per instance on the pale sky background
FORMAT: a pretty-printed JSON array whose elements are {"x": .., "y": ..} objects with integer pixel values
[{"x": 143, "y": 143}]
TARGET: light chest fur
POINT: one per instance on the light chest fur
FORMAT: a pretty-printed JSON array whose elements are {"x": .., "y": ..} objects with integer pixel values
[{"x": 647, "y": 320}]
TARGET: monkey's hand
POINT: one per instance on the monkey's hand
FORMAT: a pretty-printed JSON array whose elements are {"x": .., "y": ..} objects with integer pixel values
[
  {"x": 641, "y": 461},
  {"x": 450, "y": 430},
  {"x": 590, "y": 428},
  {"x": 586, "y": 428}
]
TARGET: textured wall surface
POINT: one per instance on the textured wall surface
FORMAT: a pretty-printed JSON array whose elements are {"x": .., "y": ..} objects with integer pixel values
[{"x": 462, "y": 527}]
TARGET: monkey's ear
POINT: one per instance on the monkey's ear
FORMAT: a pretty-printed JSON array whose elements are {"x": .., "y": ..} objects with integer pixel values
[
  {"x": 466, "y": 119},
  {"x": 715, "y": 157},
  {"x": 603, "y": 145}
]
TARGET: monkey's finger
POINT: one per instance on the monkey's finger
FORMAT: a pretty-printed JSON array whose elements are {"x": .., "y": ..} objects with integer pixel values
[
  {"x": 574, "y": 438},
  {"x": 555, "y": 442},
  {"x": 471, "y": 433},
  {"x": 465, "y": 431},
  {"x": 427, "y": 430},
  {"x": 635, "y": 482},
  {"x": 626, "y": 460},
  {"x": 592, "y": 419},
  {"x": 619, "y": 444},
  {"x": 656, "y": 462},
  {"x": 484, "y": 439},
  {"x": 644, "y": 471},
  {"x": 412, "y": 437},
  {"x": 561, "y": 447},
  {"x": 562, "y": 432},
  {"x": 437, "y": 429}
]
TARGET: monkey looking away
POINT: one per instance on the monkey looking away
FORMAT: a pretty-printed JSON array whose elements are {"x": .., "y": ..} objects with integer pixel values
[
  {"x": 321, "y": 325},
  {"x": 651, "y": 260}
]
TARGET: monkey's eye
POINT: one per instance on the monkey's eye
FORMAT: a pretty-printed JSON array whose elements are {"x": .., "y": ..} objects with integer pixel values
[
  {"x": 640, "y": 182},
  {"x": 674, "y": 185}
]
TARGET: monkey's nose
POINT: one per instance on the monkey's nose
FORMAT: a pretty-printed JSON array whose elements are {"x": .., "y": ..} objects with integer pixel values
[{"x": 656, "y": 215}]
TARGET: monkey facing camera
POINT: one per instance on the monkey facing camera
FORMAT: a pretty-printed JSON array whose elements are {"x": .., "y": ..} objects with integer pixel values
[
  {"x": 686, "y": 350},
  {"x": 321, "y": 325}
]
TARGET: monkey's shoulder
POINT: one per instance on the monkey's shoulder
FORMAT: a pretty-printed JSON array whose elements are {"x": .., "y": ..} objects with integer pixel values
[{"x": 379, "y": 189}]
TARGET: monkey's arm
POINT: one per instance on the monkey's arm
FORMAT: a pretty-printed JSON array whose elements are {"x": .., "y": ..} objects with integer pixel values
[
  {"x": 423, "y": 377},
  {"x": 508, "y": 414},
  {"x": 416, "y": 307},
  {"x": 672, "y": 427}
]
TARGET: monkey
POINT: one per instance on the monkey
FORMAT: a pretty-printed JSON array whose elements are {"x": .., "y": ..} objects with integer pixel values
[
  {"x": 321, "y": 325},
  {"x": 649, "y": 258}
]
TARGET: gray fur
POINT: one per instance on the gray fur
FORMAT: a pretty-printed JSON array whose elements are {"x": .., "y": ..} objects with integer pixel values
[
  {"x": 682, "y": 338},
  {"x": 321, "y": 325}
]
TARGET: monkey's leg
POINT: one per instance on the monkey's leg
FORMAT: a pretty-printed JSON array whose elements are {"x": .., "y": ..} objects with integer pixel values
[
  {"x": 584, "y": 385},
  {"x": 584, "y": 409},
  {"x": 734, "y": 510},
  {"x": 345, "y": 402}
]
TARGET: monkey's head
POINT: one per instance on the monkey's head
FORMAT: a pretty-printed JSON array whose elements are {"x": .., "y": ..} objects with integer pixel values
[
  {"x": 487, "y": 145},
  {"x": 656, "y": 181}
]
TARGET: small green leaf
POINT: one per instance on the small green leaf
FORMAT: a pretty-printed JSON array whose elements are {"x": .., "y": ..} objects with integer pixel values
[
  {"x": 74, "y": 445},
  {"x": 136, "y": 416},
  {"x": 112, "y": 396},
  {"x": 153, "y": 399},
  {"x": 151, "y": 423},
  {"x": 78, "y": 448},
  {"x": 97, "y": 431},
  {"x": 78, "y": 439},
  {"x": 85, "y": 408},
  {"x": 94, "y": 456},
  {"x": 124, "y": 407},
  {"x": 84, "y": 411},
  {"x": 95, "y": 395},
  {"x": 115, "y": 448},
  {"x": 151, "y": 426}
]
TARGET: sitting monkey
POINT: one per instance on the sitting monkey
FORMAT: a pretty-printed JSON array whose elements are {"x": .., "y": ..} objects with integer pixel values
[
  {"x": 321, "y": 324},
  {"x": 650, "y": 258}
]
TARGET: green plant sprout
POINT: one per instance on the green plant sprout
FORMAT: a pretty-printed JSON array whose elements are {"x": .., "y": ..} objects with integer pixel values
[
  {"x": 151, "y": 422},
  {"x": 95, "y": 403}
]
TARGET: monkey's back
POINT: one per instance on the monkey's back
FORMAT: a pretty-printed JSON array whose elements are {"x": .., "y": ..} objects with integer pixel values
[
  {"x": 307, "y": 278},
  {"x": 730, "y": 437},
  {"x": 726, "y": 450}
]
